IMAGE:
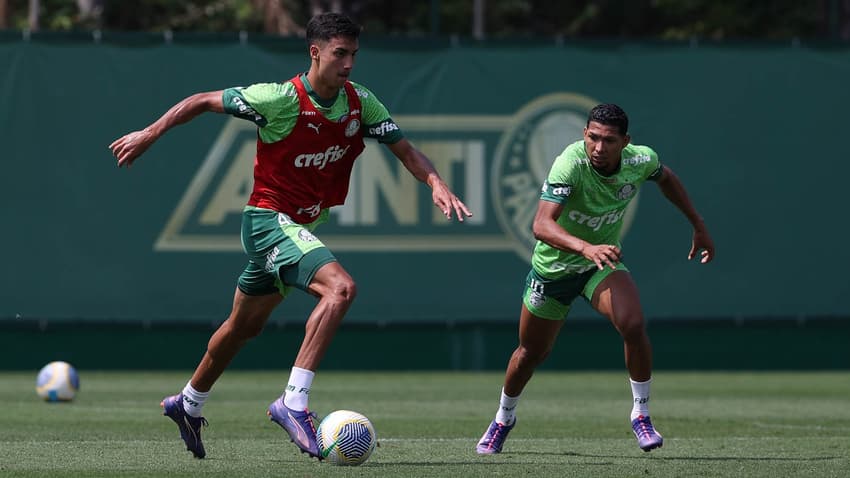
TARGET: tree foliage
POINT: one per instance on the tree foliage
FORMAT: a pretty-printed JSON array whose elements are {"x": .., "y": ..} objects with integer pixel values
[{"x": 663, "y": 19}]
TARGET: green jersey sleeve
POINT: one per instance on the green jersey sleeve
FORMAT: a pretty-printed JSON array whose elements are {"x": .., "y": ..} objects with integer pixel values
[
  {"x": 273, "y": 107},
  {"x": 256, "y": 103},
  {"x": 644, "y": 160},
  {"x": 377, "y": 123},
  {"x": 564, "y": 176},
  {"x": 654, "y": 168}
]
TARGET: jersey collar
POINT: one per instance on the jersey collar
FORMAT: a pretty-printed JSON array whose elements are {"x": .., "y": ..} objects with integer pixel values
[{"x": 321, "y": 101}]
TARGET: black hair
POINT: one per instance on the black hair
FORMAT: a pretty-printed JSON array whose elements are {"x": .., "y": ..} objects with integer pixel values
[
  {"x": 325, "y": 26},
  {"x": 611, "y": 115}
]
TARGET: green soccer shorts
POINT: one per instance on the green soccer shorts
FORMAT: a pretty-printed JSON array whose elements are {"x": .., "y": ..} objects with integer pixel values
[
  {"x": 281, "y": 253},
  {"x": 552, "y": 298}
]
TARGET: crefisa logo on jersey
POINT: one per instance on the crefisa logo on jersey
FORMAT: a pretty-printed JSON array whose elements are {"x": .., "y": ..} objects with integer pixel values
[{"x": 538, "y": 133}]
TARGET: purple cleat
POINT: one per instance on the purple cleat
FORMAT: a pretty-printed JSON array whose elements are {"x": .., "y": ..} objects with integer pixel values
[
  {"x": 494, "y": 438},
  {"x": 190, "y": 427},
  {"x": 298, "y": 424},
  {"x": 647, "y": 437}
]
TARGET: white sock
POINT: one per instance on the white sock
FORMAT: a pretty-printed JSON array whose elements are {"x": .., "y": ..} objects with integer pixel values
[
  {"x": 507, "y": 408},
  {"x": 193, "y": 400},
  {"x": 298, "y": 388},
  {"x": 640, "y": 394}
]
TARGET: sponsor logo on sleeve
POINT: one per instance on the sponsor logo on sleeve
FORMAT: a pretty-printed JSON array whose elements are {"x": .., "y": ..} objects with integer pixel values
[
  {"x": 637, "y": 160},
  {"x": 383, "y": 129},
  {"x": 247, "y": 111},
  {"x": 563, "y": 190}
]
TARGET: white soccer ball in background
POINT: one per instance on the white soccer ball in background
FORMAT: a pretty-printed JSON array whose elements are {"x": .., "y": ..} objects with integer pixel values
[
  {"x": 346, "y": 438},
  {"x": 57, "y": 382}
]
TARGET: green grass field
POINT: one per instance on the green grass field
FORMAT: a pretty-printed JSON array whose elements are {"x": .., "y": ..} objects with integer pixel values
[{"x": 570, "y": 424}]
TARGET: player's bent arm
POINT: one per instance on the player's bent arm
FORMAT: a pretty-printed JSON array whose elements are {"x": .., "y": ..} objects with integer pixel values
[
  {"x": 186, "y": 110},
  {"x": 546, "y": 228},
  {"x": 130, "y": 146},
  {"x": 423, "y": 169},
  {"x": 417, "y": 163},
  {"x": 675, "y": 192}
]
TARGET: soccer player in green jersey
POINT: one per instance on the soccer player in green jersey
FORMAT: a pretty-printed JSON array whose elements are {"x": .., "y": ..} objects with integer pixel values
[
  {"x": 310, "y": 131},
  {"x": 577, "y": 226}
]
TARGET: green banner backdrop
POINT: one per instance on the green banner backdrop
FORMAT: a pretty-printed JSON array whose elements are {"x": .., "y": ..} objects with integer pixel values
[{"x": 755, "y": 132}]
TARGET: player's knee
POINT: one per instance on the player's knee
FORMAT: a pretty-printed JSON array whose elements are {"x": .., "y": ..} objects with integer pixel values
[
  {"x": 530, "y": 356},
  {"x": 342, "y": 290},
  {"x": 631, "y": 326},
  {"x": 248, "y": 327},
  {"x": 234, "y": 330},
  {"x": 252, "y": 329}
]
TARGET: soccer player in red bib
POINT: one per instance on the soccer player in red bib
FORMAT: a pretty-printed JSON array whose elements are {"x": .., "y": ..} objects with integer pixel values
[{"x": 310, "y": 130}]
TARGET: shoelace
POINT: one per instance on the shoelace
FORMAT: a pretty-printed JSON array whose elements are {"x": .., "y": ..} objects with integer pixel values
[
  {"x": 495, "y": 436},
  {"x": 312, "y": 417},
  {"x": 644, "y": 427}
]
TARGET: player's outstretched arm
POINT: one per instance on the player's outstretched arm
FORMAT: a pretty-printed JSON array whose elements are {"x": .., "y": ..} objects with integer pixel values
[
  {"x": 130, "y": 146},
  {"x": 423, "y": 169},
  {"x": 674, "y": 191},
  {"x": 546, "y": 228}
]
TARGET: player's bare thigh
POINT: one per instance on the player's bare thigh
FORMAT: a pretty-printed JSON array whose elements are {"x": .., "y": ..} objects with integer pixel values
[
  {"x": 537, "y": 335},
  {"x": 332, "y": 278},
  {"x": 253, "y": 311},
  {"x": 617, "y": 298}
]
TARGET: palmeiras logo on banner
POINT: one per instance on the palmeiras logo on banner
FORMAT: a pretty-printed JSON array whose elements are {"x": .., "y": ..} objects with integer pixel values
[{"x": 387, "y": 210}]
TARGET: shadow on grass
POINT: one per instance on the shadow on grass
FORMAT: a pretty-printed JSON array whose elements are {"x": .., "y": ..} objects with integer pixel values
[
  {"x": 458, "y": 463},
  {"x": 675, "y": 458},
  {"x": 599, "y": 463}
]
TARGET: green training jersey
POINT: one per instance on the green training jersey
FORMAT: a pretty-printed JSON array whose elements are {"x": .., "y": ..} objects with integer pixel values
[
  {"x": 594, "y": 205},
  {"x": 274, "y": 108}
]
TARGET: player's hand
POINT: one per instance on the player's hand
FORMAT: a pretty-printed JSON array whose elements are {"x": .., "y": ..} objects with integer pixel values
[
  {"x": 602, "y": 255},
  {"x": 448, "y": 202},
  {"x": 703, "y": 244},
  {"x": 130, "y": 146}
]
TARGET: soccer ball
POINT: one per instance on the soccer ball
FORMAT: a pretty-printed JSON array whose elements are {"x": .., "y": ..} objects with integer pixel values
[
  {"x": 346, "y": 438},
  {"x": 57, "y": 382}
]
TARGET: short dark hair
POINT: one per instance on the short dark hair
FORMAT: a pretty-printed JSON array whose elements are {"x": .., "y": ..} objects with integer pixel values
[
  {"x": 611, "y": 115},
  {"x": 325, "y": 26}
]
